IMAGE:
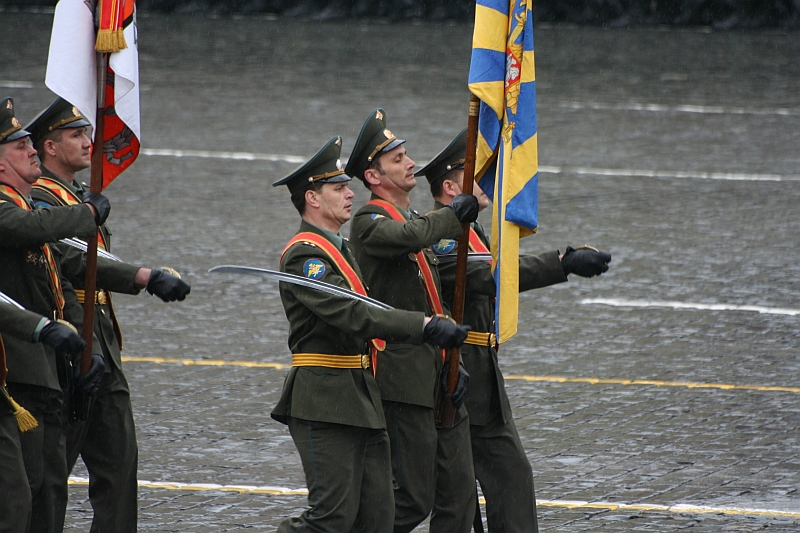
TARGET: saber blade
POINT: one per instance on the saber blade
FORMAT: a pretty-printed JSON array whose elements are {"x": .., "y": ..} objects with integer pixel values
[
  {"x": 10, "y": 301},
  {"x": 300, "y": 280},
  {"x": 82, "y": 246},
  {"x": 473, "y": 256}
]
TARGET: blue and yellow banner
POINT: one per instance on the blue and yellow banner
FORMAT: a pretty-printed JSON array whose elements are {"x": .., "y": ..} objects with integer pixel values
[{"x": 502, "y": 75}]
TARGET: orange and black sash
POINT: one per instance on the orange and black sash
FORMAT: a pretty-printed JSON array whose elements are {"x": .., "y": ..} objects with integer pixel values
[
  {"x": 347, "y": 272},
  {"x": 62, "y": 195},
  {"x": 422, "y": 262},
  {"x": 476, "y": 243},
  {"x": 52, "y": 270}
]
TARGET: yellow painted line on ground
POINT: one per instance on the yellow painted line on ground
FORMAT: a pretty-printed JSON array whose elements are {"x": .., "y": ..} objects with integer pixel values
[
  {"x": 552, "y": 379},
  {"x": 656, "y": 383},
  {"x": 568, "y": 504},
  {"x": 203, "y": 362}
]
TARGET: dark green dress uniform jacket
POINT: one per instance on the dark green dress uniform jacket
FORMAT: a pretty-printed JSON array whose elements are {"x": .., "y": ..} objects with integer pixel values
[
  {"x": 487, "y": 396},
  {"x": 327, "y": 324},
  {"x": 19, "y": 323},
  {"x": 112, "y": 276},
  {"x": 385, "y": 251},
  {"x": 24, "y": 277}
]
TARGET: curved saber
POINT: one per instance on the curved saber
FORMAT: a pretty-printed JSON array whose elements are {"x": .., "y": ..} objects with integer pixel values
[
  {"x": 472, "y": 256},
  {"x": 10, "y": 301},
  {"x": 82, "y": 246},
  {"x": 300, "y": 280}
]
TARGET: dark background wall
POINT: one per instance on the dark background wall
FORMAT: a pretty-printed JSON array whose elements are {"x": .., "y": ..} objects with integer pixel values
[{"x": 720, "y": 14}]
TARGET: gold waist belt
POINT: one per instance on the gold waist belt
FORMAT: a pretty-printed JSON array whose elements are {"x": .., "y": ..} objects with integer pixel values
[
  {"x": 331, "y": 361},
  {"x": 101, "y": 297},
  {"x": 477, "y": 338}
]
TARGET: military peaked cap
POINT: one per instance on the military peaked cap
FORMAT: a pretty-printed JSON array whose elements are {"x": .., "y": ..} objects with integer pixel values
[
  {"x": 60, "y": 114},
  {"x": 10, "y": 128},
  {"x": 324, "y": 167},
  {"x": 451, "y": 158},
  {"x": 373, "y": 140}
]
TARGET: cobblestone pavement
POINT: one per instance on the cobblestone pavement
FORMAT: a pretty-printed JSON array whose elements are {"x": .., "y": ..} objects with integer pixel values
[{"x": 607, "y": 100}]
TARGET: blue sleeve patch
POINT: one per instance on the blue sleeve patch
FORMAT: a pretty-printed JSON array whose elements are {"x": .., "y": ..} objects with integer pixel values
[
  {"x": 40, "y": 204},
  {"x": 314, "y": 269},
  {"x": 374, "y": 216},
  {"x": 445, "y": 246}
]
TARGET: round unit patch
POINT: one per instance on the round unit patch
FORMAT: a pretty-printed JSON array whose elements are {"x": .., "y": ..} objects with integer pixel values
[
  {"x": 445, "y": 246},
  {"x": 314, "y": 268}
]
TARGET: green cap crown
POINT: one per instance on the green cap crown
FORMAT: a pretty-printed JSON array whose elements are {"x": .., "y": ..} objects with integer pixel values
[
  {"x": 60, "y": 114},
  {"x": 324, "y": 167},
  {"x": 373, "y": 140},
  {"x": 10, "y": 128},
  {"x": 451, "y": 158}
]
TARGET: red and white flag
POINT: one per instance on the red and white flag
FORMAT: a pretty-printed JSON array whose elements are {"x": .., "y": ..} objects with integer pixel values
[{"x": 72, "y": 72}]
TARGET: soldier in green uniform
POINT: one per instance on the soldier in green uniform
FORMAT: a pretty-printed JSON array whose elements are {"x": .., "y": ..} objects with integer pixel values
[
  {"x": 432, "y": 468},
  {"x": 330, "y": 399},
  {"x": 107, "y": 440},
  {"x": 15, "y": 493},
  {"x": 30, "y": 274},
  {"x": 501, "y": 465}
]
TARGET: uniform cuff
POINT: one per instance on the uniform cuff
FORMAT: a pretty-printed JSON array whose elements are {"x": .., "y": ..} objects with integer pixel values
[{"x": 38, "y": 330}]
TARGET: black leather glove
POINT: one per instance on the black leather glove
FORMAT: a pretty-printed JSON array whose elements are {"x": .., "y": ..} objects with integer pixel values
[
  {"x": 60, "y": 337},
  {"x": 586, "y": 262},
  {"x": 465, "y": 206},
  {"x": 444, "y": 333},
  {"x": 91, "y": 381},
  {"x": 460, "y": 392},
  {"x": 166, "y": 286},
  {"x": 100, "y": 204}
]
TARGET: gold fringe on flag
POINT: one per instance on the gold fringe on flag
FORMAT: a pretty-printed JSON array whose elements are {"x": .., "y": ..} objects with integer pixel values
[
  {"x": 110, "y": 38},
  {"x": 110, "y": 41},
  {"x": 25, "y": 420}
]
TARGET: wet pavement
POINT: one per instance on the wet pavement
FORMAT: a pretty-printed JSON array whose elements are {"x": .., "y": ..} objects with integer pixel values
[{"x": 667, "y": 101}]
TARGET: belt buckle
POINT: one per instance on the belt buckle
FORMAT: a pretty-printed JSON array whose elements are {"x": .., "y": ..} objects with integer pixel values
[
  {"x": 365, "y": 361},
  {"x": 100, "y": 298},
  {"x": 492, "y": 339}
]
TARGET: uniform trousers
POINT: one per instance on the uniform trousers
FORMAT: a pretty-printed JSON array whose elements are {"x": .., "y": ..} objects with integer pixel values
[
  {"x": 454, "y": 506},
  {"x": 107, "y": 444},
  {"x": 506, "y": 479},
  {"x": 348, "y": 475},
  {"x": 15, "y": 493},
  {"x": 432, "y": 469},
  {"x": 44, "y": 455}
]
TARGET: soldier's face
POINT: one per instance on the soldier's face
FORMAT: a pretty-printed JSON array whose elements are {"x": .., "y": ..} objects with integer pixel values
[
  {"x": 74, "y": 150},
  {"x": 477, "y": 192},
  {"x": 335, "y": 202},
  {"x": 398, "y": 170},
  {"x": 18, "y": 161}
]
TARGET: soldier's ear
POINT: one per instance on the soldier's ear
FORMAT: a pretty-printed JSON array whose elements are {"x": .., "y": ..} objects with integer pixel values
[
  {"x": 451, "y": 188},
  {"x": 311, "y": 198},
  {"x": 49, "y": 147},
  {"x": 371, "y": 176}
]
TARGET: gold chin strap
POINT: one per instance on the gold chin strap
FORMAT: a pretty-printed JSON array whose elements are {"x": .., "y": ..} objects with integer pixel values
[
  {"x": 172, "y": 271},
  {"x": 326, "y": 175},
  {"x": 381, "y": 146}
]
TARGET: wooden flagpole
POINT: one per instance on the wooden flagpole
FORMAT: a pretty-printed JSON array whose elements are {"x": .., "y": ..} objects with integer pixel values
[
  {"x": 454, "y": 359},
  {"x": 95, "y": 186}
]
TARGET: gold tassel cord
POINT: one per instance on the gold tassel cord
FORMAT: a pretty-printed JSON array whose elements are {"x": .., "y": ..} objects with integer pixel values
[{"x": 25, "y": 420}]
